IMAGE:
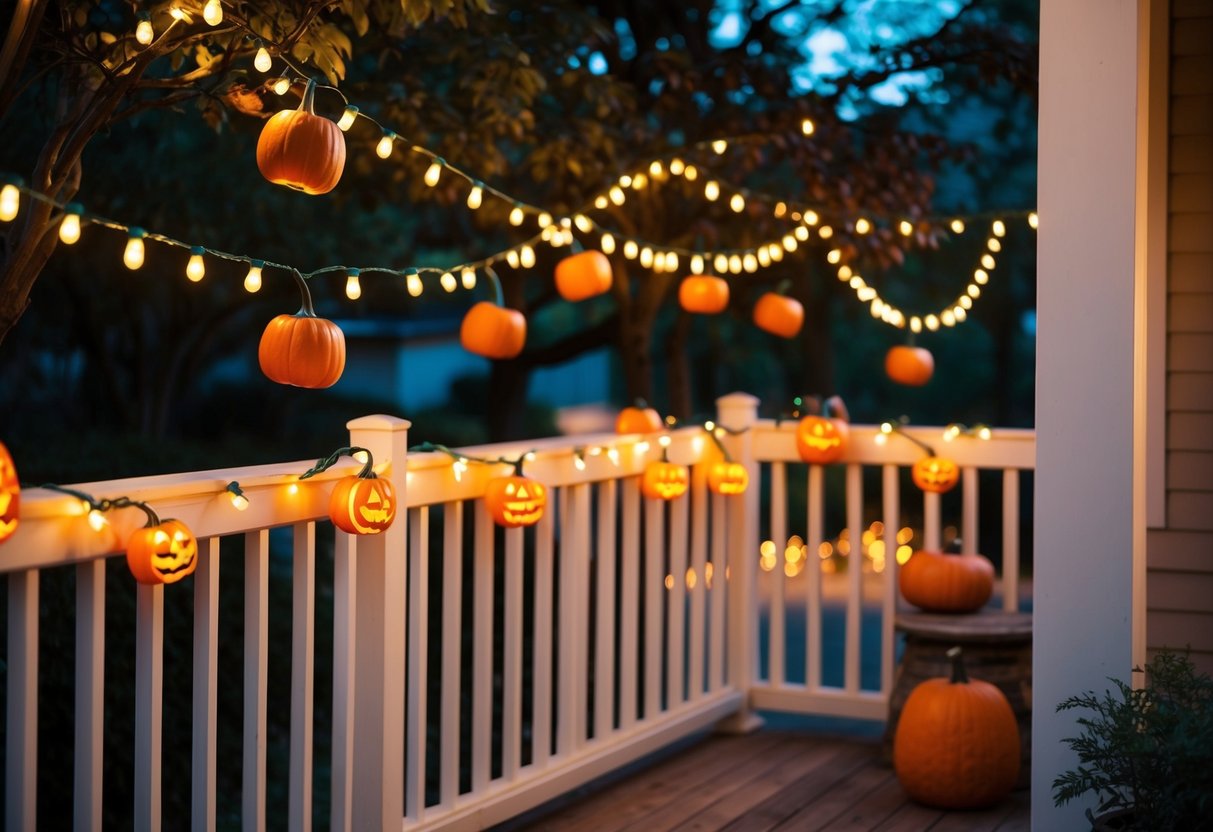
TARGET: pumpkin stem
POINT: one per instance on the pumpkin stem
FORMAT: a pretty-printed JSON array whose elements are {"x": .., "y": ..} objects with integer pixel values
[
  {"x": 306, "y": 310},
  {"x": 959, "y": 675},
  {"x": 496, "y": 281},
  {"x": 898, "y": 427},
  {"x": 309, "y": 95},
  {"x": 327, "y": 462}
]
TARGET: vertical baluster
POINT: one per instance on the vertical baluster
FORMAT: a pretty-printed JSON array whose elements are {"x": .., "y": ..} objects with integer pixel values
[
  {"x": 511, "y": 701},
  {"x": 654, "y": 586},
  {"x": 629, "y": 604},
  {"x": 21, "y": 743},
  {"x": 452, "y": 641},
  {"x": 580, "y": 535},
  {"x": 890, "y": 492},
  {"x": 604, "y": 649},
  {"x": 854, "y": 575},
  {"x": 417, "y": 661},
  {"x": 716, "y": 668},
  {"x": 541, "y": 721},
  {"x": 303, "y": 644},
  {"x": 149, "y": 703},
  {"x": 815, "y": 511},
  {"x": 345, "y": 645},
  {"x": 676, "y": 603},
  {"x": 206, "y": 686},
  {"x": 930, "y": 521},
  {"x": 1010, "y": 540},
  {"x": 699, "y": 520},
  {"x": 90, "y": 692},
  {"x": 256, "y": 658},
  {"x": 969, "y": 533},
  {"x": 482, "y": 650},
  {"x": 779, "y": 535}
]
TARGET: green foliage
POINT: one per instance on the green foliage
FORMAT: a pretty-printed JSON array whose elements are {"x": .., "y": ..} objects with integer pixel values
[{"x": 1147, "y": 752}]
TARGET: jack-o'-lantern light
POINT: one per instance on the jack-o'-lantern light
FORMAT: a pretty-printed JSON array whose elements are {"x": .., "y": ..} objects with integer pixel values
[
  {"x": 361, "y": 503},
  {"x": 515, "y": 500},
  {"x": 162, "y": 552},
  {"x": 728, "y": 478},
  {"x": 664, "y": 480},
  {"x": 936, "y": 474},
  {"x": 822, "y": 438},
  {"x": 10, "y": 495}
]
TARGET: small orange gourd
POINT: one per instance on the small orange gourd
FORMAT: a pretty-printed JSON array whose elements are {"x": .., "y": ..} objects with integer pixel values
[
  {"x": 302, "y": 150},
  {"x": 302, "y": 350},
  {"x": 937, "y": 474},
  {"x": 957, "y": 742},
  {"x": 515, "y": 500},
  {"x": 703, "y": 294},
  {"x": 728, "y": 478},
  {"x": 162, "y": 552},
  {"x": 583, "y": 275},
  {"x": 493, "y": 331},
  {"x": 912, "y": 366},
  {"x": 779, "y": 315},
  {"x": 664, "y": 480},
  {"x": 638, "y": 418},
  {"x": 363, "y": 503},
  {"x": 949, "y": 583}
]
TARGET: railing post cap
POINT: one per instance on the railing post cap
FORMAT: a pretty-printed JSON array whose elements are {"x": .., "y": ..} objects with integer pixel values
[{"x": 378, "y": 421}]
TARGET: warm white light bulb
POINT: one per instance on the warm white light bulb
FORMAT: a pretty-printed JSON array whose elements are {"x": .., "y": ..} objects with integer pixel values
[
  {"x": 195, "y": 269},
  {"x": 776, "y": 251},
  {"x": 96, "y": 520},
  {"x": 517, "y": 215},
  {"x": 691, "y": 173},
  {"x": 69, "y": 229},
  {"x": 932, "y": 323},
  {"x": 583, "y": 223},
  {"x": 749, "y": 263},
  {"x": 601, "y": 202},
  {"x": 212, "y": 12},
  {"x": 999, "y": 228},
  {"x": 10, "y": 202},
  {"x": 993, "y": 244},
  {"x": 711, "y": 191},
  {"x": 447, "y": 282},
  {"x": 696, "y": 264},
  {"x": 384, "y": 148},
  {"x": 252, "y": 280},
  {"x": 987, "y": 262},
  {"x": 262, "y": 61},
  {"x": 468, "y": 278},
  {"x": 906, "y": 228},
  {"x": 735, "y": 263},
  {"x": 526, "y": 257},
  {"x": 144, "y": 32},
  {"x": 631, "y": 249},
  {"x": 807, "y": 127},
  {"x": 617, "y": 196},
  {"x": 511, "y": 257},
  {"x": 677, "y": 166},
  {"x": 646, "y": 257},
  {"x": 790, "y": 244},
  {"x": 656, "y": 170},
  {"x": 737, "y": 203},
  {"x": 347, "y": 118},
  {"x": 720, "y": 146},
  {"x": 544, "y": 219},
  {"x": 720, "y": 263},
  {"x": 607, "y": 244},
  {"x": 413, "y": 282},
  {"x": 282, "y": 86},
  {"x": 1033, "y": 220},
  {"x": 639, "y": 181},
  {"x": 810, "y": 218},
  {"x": 433, "y": 173},
  {"x": 834, "y": 255},
  {"x": 353, "y": 286},
  {"x": 801, "y": 232},
  {"x": 862, "y": 226},
  {"x": 958, "y": 226},
  {"x": 764, "y": 257},
  {"x": 475, "y": 197},
  {"x": 133, "y": 256}
]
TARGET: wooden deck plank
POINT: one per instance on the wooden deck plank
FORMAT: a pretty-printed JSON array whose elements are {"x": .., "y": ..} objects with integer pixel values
[
  {"x": 844, "y": 804},
  {"x": 911, "y": 817},
  {"x": 988, "y": 820}
]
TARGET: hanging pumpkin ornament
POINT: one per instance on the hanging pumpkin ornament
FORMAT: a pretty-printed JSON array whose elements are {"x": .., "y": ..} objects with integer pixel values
[
  {"x": 583, "y": 275},
  {"x": 491, "y": 329},
  {"x": 10, "y": 495},
  {"x": 948, "y": 583},
  {"x": 639, "y": 418},
  {"x": 515, "y": 500},
  {"x": 162, "y": 552},
  {"x": 937, "y": 474},
  {"x": 909, "y": 365},
  {"x": 703, "y": 294},
  {"x": 302, "y": 350},
  {"x": 822, "y": 439},
  {"x": 664, "y": 480},
  {"x": 302, "y": 150},
  {"x": 728, "y": 478},
  {"x": 957, "y": 742},
  {"x": 779, "y": 314}
]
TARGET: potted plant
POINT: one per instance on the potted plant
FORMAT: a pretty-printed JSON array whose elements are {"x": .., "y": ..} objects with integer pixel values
[{"x": 1146, "y": 752}]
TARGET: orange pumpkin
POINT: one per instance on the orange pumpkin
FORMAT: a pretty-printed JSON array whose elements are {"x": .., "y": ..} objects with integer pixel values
[
  {"x": 957, "y": 742},
  {"x": 728, "y": 478},
  {"x": 664, "y": 480},
  {"x": 821, "y": 440},
  {"x": 302, "y": 350},
  {"x": 10, "y": 495},
  {"x": 704, "y": 294},
  {"x": 938, "y": 582},
  {"x": 493, "y": 331},
  {"x": 302, "y": 150},
  {"x": 638, "y": 419},
  {"x": 362, "y": 505},
  {"x": 935, "y": 473},
  {"x": 162, "y": 553},
  {"x": 515, "y": 500},
  {"x": 912, "y": 366},
  {"x": 583, "y": 275},
  {"x": 779, "y": 315}
]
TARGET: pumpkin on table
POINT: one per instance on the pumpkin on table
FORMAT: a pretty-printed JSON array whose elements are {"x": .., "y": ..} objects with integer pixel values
[
  {"x": 951, "y": 583},
  {"x": 912, "y": 366},
  {"x": 583, "y": 275},
  {"x": 302, "y": 150},
  {"x": 10, "y": 495},
  {"x": 302, "y": 350},
  {"x": 957, "y": 742},
  {"x": 162, "y": 552}
]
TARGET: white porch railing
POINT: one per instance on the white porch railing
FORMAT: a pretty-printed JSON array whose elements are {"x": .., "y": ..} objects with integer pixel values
[{"x": 624, "y": 623}]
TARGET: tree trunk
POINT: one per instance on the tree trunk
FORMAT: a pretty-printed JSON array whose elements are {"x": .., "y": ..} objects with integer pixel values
[
  {"x": 506, "y": 405},
  {"x": 678, "y": 368}
]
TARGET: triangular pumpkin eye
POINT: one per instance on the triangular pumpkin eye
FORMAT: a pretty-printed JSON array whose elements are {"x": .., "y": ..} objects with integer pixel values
[
  {"x": 373, "y": 499},
  {"x": 509, "y": 489},
  {"x": 522, "y": 494}
]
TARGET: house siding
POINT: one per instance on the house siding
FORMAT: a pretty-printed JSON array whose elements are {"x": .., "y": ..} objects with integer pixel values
[{"x": 1179, "y": 587}]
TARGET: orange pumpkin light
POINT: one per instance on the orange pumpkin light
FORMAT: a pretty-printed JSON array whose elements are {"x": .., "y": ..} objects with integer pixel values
[
  {"x": 935, "y": 473},
  {"x": 583, "y": 275},
  {"x": 493, "y": 331},
  {"x": 515, "y": 500},
  {"x": 302, "y": 150},
  {"x": 779, "y": 315},
  {"x": 162, "y": 552},
  {"x": 664, "y": 480},
  {"x": 10, "y": 495},
  {"x": 703, "y": 294},
  {"x": 821, "y": 440},
  {"x": 302, "y": 350},
  {"x": 912, "y": 366},
  {"x": 957, "y": 742},
  {"x": 362, "y": 503},
  {"x": 938, "y": 582},
  {"x": 728, "y": 478},
  {"x": 638, "y": 419}
]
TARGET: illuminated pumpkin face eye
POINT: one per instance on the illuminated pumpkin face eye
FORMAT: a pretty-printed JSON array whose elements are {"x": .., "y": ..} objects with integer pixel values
[{"x": 509, "y": 489}]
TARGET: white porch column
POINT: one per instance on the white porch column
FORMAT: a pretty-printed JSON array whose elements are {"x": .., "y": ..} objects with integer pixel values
[{"x": 1090, "y": 518}]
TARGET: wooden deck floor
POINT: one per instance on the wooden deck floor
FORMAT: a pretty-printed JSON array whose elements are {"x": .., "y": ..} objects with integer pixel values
[{"x": 770, "y": 780}]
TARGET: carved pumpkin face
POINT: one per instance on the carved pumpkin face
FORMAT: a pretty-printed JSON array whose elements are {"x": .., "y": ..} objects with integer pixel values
[
  {"x": 664, "y": 480},
  {"x": 820, "y": 440},
  {"x": 10, "y": 494},
  {"x": 362, "y": 505},
  {"x": 515, "y": 501},
  {"x": 935, "y": 473},
  {"x": 728, "y": 478},
  {"x": 162, "y": 554}
]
